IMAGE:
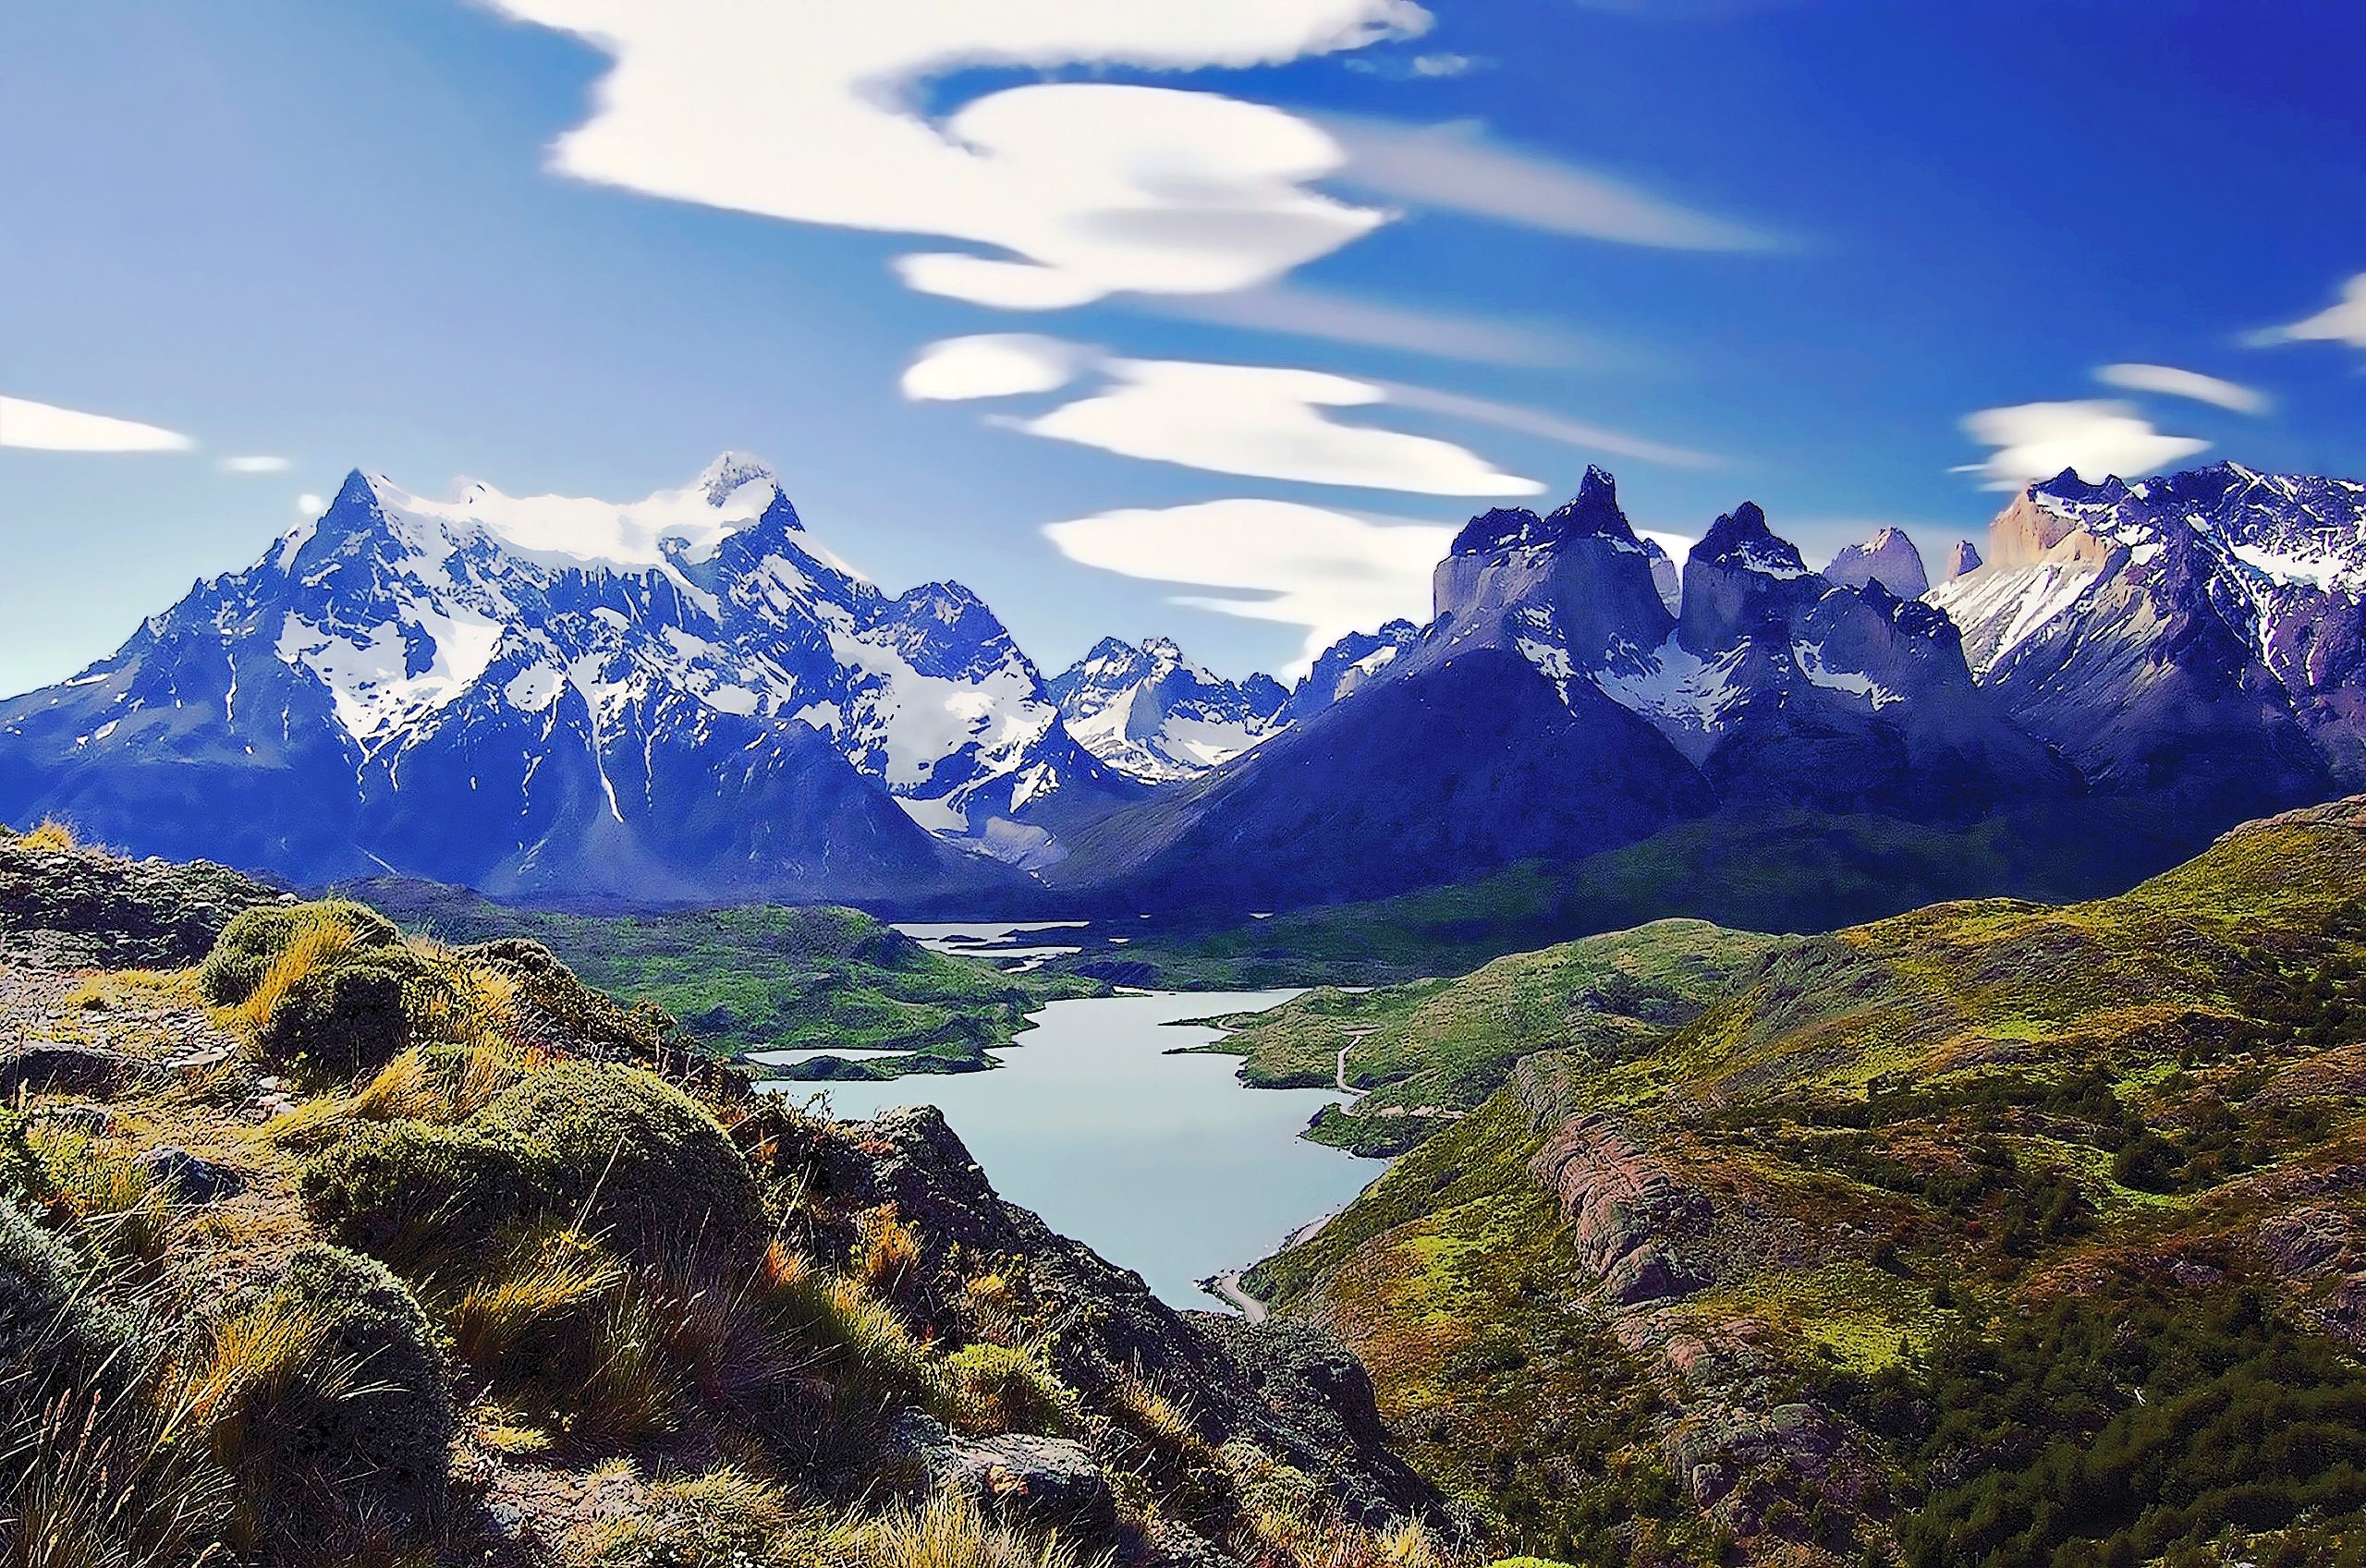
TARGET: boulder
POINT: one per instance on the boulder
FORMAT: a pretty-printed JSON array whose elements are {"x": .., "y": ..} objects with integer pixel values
[
  {"x": 190, "y": 1178},
  {"x": 55, "y": 1067},
  {"x": 1043, "y": 1483}
]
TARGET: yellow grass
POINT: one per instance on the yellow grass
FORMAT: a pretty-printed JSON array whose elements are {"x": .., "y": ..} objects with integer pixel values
[
  {"x": 318, "y": 942},
  {"x": 52, "y": 835},
  {"x": 948, "y": 1532},
  {"x": 884, "y": 1247}
]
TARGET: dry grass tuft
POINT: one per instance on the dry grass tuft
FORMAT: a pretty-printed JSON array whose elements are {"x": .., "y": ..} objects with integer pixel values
[
  {"x": 50, "y": 835},
  {"x": 949, "y": 1532},
  {"x": 885, "y": 1247},
  {"x": 320, "y": 940}
]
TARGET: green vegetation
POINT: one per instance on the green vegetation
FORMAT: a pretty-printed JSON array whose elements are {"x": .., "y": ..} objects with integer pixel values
[
  {"x": 2030, "y": 1228},
  {"x": 1428, "y": 1052},
  {"x": 766, "y": 978}
]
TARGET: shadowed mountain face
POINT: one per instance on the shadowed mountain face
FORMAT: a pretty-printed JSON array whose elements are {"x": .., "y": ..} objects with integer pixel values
[
  {"x": 2202, "y": 634},
  {"x": 1557, "y": 706}
]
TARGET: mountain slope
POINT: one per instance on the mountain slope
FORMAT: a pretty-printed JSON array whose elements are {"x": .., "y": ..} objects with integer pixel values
[
  {"x": 683, "y": 698},
  {"x": 2203, "y": 633},
  {"x": 1977, "y": 1235}
]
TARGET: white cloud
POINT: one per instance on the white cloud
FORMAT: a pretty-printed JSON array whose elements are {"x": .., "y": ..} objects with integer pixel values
[
  {"x": 254, "y": 464},
  {"x": 2343, "y": 322},
  {"x": 811, "y": 112},
  {"x": 1266, "y": 423},
  {"x": 1339, "y": 318},
  {"x": 1329, "y": 572},
  {"x": 1456, "y": 168},
  {"x": 1552, "y": 427},
  {"x": 994, "y": 365},
  {"x": 2036, "y": 441},
  {"x": 2173, "y": 382},
  {"x": 45, "y": 428},
  {"x": 310, "y": 505},
  {"x": 1407, "y": 67}
]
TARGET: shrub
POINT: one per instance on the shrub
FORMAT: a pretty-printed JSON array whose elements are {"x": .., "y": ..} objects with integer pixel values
[
  {"x": 885, "y": 1248},
  {"x": 996, "y": 1389},
  {"x": 52, "y": 835},
  {"x": 52, "y": 1330},
  {"x": 352, "y": 1015},
  {"x": 639, "y": 1158},
  {"x": 257, "y": 938},
  {"x": 564, "y": 1005},
  {"x": 325, "y": 1396},
  {"x": 421, "y": 1196}
]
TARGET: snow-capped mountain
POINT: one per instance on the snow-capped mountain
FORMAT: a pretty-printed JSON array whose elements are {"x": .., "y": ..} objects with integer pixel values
[
  {"x": 1152, "y": 715},
  {"x": 2202, "y": 632},
  {"x": 667, "y": 698},
  {"x": 1347, "y": 665},
  {"x": 1557, "y": 706}
]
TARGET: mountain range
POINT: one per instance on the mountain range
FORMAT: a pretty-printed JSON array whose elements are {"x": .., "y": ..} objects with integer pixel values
[{"x": 690, "y": 698}]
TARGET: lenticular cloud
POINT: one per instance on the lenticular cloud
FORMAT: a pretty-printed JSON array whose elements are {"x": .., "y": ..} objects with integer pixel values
[{"x": 809, "y": 110}]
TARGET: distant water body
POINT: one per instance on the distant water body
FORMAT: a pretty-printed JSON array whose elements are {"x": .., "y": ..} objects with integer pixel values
[{"x": 1165, "y": 1164}]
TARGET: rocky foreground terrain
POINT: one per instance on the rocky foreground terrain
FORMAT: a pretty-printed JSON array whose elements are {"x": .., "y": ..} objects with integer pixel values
[{"x": 321, "y": 1244}]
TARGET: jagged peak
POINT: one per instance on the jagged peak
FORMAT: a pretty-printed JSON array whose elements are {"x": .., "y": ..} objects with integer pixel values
[
  {"x": 1740, "y": 538},
  {"x": 1594, "y": 511},
  {"x": 1497, "y": 528}
]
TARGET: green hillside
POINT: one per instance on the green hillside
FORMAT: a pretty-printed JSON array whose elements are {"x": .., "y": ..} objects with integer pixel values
[
  {"x": 1432, "y": 1051},
  {"x": 1991, "y": 1234},
  {"x": 1762, "y": 871}
]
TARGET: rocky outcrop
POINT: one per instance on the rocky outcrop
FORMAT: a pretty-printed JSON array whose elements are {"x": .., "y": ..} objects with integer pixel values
[
  {"x": 1963, "y": 558},
  {"x": 100, "y": 910},
  {"x": 1630, "y": 1215}
]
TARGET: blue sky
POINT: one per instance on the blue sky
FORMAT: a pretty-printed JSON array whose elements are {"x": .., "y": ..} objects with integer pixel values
[{"x": 1827, "y": 256}]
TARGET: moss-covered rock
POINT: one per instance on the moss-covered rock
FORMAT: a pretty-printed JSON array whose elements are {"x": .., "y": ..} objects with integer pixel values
[
  {"x": 420, "y": 1196},
  {"x": 358, "y": 1433},
  {"x": 641, "y": 1160},
  {"x": 253, "y": 942}
]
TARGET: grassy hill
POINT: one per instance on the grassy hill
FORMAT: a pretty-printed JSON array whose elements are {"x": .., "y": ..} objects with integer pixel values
[
  {"x": 1996, "y": 1233},
  {"x": 768, "y": 977},
  {"x": 1427, "y": 1053}
]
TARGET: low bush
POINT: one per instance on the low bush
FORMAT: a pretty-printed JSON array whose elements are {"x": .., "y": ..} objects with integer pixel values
[
  {"x": 423, "y": 1197},
  {"x": 998, "y": 1389},
  {"x": 53, "y": 1332},
  {"x": 257, "y": 939},
  {"x": 325, "y": 1395},
  {"x": 723, "y": 1519},
  {"x": 640, "y": 1161}
]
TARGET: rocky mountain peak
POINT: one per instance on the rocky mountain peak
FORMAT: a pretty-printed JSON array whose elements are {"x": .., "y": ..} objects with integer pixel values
[
  {"x": 1888, "y": 557},
  {"x": 1594, "y": 512},
  {"x": 1741, "y": 538},
  {"x": 1964, "y": 557}
]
